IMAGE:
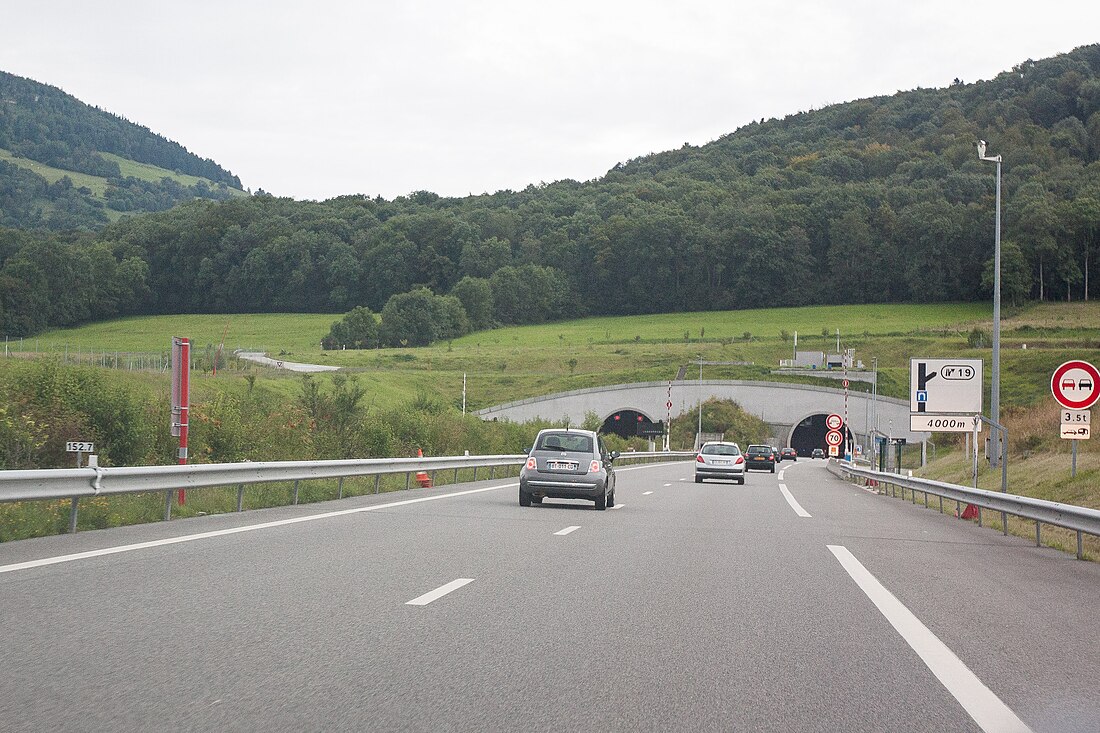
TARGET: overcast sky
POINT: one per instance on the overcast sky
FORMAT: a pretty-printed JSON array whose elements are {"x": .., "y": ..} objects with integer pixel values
[{"x": 319, "y": 99}]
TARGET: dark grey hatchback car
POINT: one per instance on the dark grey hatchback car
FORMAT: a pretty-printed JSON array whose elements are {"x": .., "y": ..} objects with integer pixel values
[{"x": 568, "y": 464}]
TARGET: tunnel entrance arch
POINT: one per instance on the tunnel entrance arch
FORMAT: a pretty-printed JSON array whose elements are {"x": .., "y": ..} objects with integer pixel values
[
  {"x": 810, "y": 433},
  {"x": 626, "y": 423}
]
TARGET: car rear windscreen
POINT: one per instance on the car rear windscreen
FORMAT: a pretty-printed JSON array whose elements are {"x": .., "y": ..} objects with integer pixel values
[
  {"x": 721, "y": 450},
  {"x": 565, "y": 442}
]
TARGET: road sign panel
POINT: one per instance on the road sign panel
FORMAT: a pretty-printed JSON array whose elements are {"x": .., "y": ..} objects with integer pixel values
[
  {"x": 928, "y": 423},
  {"x": 834, "y": 451},
  {"x": 1076, "y": 385},
  {"x": 945, "y": 386},
  {"x": 1076, "y": 417},
  {"x": 1076, "y": 432},
  {"x": 833, "y": 422},
  {"x": 669, "y": 404},
  {"x": 79, "y": 446},
  {"x": 834, "y": 437}
]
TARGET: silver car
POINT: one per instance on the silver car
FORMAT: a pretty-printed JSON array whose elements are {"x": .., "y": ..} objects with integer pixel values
[
  {"x": 568, "y": 464},
  {"x": 718, "y": 459}
]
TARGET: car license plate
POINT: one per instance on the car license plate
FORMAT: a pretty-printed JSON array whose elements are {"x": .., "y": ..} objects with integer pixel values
[
  {"x": 758, "y": 458},
  {"x": 560, "y": 465},
  {"x": 721, "y": 463}
]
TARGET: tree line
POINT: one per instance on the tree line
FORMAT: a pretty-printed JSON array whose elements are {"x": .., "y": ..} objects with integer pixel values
[{"x": 878, "y": 200}]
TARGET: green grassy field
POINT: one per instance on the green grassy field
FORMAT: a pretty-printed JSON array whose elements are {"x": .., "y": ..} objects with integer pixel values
[
  {"x": 514, "y": 363},
  {"x": 152, "y": 173},
  {"x": 98, "y": 185},
  {"x": 95, "y": 184}
]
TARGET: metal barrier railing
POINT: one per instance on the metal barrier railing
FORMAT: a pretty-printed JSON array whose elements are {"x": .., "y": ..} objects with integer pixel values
[
  {"x": 77, "y": 483},
  {"x": 1081, "y": 520}
]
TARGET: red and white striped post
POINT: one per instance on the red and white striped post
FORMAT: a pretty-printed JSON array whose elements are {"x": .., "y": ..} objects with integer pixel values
[{"x": 181, "y": 398}]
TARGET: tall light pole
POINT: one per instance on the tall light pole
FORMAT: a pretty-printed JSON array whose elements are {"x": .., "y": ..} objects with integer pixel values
[{"x": 995, "y": 387}]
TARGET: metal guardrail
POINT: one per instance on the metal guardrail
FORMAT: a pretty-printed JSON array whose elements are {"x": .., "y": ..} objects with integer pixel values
[
  {"x": 77, "y": 483},
  {"x": 1081, "y": 520}
]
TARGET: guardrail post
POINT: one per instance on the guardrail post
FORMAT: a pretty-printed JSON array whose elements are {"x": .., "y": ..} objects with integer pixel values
[
  {"x": 1080, "y": 547},
  {"x": 407, "y": 474},
  {"x": 456, "y": 475},
  {"x": 240, "y": 497},
  {"x": 295, "y": 492},
  {"x": 1038, "y": 534},
  {"x": 980, "y": 517},
  {"x": 167, "y": 505},
  {"x": 492, "y": 472},
  {"x": 340, "y": 488},
  {"x": 941, "y": 505},
  {"x": 475, "y": 473},
  {"x": 926, "y": 500},
  {"x": 377, "y": 478},
  {"x": 72, "y": 516}
]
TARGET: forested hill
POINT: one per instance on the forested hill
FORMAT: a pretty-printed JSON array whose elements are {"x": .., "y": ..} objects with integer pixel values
[
  {"x": 877, "y": 200},
  {"x": 46, "y": 135}
]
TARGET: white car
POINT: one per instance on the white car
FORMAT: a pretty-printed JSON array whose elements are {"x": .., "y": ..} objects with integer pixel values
[{"x": 717, "y": 459}]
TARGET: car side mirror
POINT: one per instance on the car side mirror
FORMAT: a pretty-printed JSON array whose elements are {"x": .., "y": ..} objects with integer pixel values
[{"x": 614, "y": 454}]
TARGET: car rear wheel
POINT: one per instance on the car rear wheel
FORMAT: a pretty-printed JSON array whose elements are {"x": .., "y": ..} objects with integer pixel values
[
  {"x": 741, "y": 481},
  {"x": 698, "y": 479},
  {"x": 601, "y": 502},
  {"x": 773, "y": 468},
  {"x": 524, "y": 499},
  {"x": 611, "y": 498}
]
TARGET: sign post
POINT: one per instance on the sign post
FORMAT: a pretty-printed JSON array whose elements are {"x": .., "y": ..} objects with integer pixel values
[{"x": 1076, "y": 387}]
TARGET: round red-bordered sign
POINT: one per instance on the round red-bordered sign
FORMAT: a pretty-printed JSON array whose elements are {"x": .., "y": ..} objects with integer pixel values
[
  {"x": 834, "y": 437},
  {"x": 1076, "y": 385},
  {"x": 833, "y": 422}
]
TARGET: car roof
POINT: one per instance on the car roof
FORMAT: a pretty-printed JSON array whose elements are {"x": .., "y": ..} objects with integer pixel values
[
  {"x": 572, "y": 431},
  {"x": 720, "y": 442}
]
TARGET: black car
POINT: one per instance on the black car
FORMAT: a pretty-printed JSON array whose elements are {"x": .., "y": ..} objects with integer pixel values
[
  {"x": 568, "y": 464},
  {"x": 818, "y": 453},
  {"x": 789, "y": 454},
  {"x": 760, "y": 458}
]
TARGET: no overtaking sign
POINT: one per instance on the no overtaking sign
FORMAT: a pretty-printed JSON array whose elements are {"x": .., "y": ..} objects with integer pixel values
[{"x": 1076, "y": 385}]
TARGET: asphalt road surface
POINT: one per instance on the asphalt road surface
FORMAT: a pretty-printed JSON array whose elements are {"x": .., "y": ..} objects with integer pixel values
[{"x": 794, "y": 603}]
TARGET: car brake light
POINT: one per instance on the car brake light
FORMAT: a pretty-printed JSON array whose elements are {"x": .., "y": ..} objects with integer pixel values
[
  {"x": 699, "y": 458},
  {"x": 595, "y": 467},
  {"x": 531, "y": 463},
  {"x": 740, "y": 459}
]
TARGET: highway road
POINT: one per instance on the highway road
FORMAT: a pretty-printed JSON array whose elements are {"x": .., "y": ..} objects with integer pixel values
[{"x": 794, "y": 603}]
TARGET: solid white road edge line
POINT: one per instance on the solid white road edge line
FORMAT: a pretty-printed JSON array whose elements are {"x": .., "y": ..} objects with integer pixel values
[
  {"x": 439, "y": 592},
  {"x": 233, "y": 530},
  {"x": 251, "y": 527},
  {"x": 793, "y": 502},
  {"x": 987, "y": 710},
  {"x": 567, "y": 530}
]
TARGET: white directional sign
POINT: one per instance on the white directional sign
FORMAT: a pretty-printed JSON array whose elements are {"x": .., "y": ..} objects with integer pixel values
[
  {"x": 928, "y": 423},
  {"x": 79, "y": 446},
  {"x": 945, "y": 386}
]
